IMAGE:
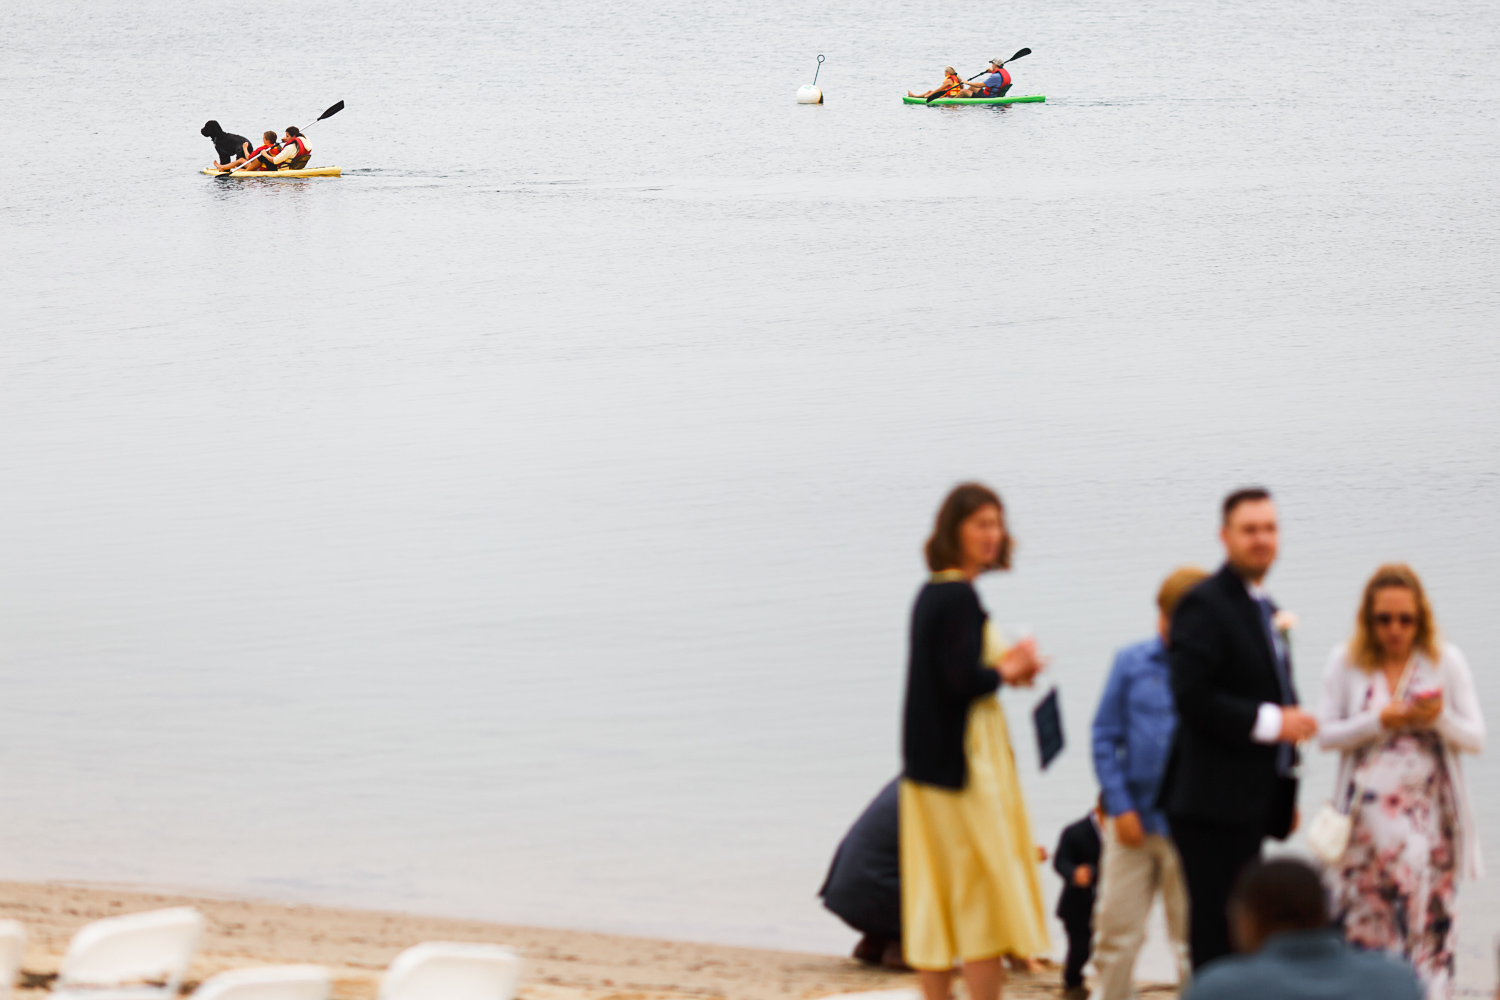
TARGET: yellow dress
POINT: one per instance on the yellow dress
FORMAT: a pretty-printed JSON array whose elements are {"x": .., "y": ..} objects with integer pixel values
[{"x": 969, "y": 884}]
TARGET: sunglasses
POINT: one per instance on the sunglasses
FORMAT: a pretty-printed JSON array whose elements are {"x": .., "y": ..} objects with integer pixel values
[{"x": 1387, "y": 619}]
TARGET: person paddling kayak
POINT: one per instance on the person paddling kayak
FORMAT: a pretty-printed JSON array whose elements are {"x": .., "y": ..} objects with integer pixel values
[
  {"x": 997, "y": 83},
  {"x": 952, "y": 82},
  {"x": 231, "y": 148}
]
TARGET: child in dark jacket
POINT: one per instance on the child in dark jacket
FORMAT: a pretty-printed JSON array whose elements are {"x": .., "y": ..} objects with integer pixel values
[{"x": 1077, "y": 861}]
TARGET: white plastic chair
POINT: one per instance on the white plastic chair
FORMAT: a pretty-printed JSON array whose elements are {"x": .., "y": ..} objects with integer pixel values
[
  {"x": 444, "y": 970},
  {"x": 12, "y": 948},
  {"x": 140, "y": 956},
  {"x": 271, "y": 982}
]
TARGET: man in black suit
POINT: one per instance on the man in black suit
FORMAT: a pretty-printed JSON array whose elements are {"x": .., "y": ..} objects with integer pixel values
[
  {"x": 1077, "y": 861},
  {"x": 1230, "y": 779}
]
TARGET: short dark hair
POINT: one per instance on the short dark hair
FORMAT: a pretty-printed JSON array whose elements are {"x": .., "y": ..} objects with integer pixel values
[
  {"x": 1248, "y": 494},
  {"x": 943, "y": 549},
  {"x": 1283, "y": 894}
]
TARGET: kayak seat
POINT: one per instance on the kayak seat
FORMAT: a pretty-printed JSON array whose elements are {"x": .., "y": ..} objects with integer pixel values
[{"x": 297, "y": 162}]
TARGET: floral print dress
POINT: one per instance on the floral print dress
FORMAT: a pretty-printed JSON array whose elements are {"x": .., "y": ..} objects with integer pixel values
[{"x": 1394, "y": 888}]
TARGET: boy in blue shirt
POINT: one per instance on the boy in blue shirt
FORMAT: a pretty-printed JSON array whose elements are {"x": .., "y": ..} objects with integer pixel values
[{"x": 1132, "y": 735}]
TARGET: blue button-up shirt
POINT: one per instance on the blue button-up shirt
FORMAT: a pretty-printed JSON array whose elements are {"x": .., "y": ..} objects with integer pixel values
[{"x": 1133, "y": 732}]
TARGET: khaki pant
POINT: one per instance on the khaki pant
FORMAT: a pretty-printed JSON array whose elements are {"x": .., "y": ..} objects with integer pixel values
[{"x": 1131, "y": 878}]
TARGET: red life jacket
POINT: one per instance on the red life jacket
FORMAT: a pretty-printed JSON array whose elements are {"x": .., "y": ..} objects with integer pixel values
[
  {"x": 270, "y": 148},
  {"x": 1005, "y": 74},
  {"x": 302, "y": 149}
]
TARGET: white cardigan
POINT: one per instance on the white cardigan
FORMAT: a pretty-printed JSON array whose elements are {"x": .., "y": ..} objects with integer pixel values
[{"x": 1349, "y": 718}]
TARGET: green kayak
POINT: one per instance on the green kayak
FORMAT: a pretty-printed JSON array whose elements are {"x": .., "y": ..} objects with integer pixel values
[{"x": 1028, "y": 99}]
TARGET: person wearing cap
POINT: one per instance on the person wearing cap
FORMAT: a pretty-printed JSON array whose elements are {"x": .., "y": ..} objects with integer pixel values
[
  {"x": 997, "y": 83},
  {"x": 232, "y": 149},
  {"x": 952, "y": 85}
]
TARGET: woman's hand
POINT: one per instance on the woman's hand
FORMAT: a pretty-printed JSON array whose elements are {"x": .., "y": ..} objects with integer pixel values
[
  {"x": 1020, "y": 664},
  {"x": 1395, "y": 715},
  {"x": 1424, "y": 712}
]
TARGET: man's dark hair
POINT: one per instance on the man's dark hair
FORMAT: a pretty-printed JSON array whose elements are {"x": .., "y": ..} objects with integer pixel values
[
  {"x": 1246, "y": 495},
  {"x": 1281, "y": 895},
  {"x": 210, "y": 128}
]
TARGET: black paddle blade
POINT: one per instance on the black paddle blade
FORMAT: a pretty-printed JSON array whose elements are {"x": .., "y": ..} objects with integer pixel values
[
  {"x": 1023, "y": 52},
  {"x": 340, "y": 107}
]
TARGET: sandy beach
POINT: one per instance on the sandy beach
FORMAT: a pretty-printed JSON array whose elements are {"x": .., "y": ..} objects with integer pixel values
[{"x": 357, "y": 945}]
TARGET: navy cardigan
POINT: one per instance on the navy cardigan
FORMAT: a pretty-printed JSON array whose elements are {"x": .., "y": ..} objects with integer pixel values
[{"x": 944, "y": 675}]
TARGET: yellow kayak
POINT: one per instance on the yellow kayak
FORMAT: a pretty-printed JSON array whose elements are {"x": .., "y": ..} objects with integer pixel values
[{"x": 305, "y": 172}]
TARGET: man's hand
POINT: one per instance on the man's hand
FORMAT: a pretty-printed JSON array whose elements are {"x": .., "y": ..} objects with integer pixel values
[
  {"x": 1296, "y": 725},
  {"x": 1128, "y": 829},
  {"x": 1083, "y": 876}
]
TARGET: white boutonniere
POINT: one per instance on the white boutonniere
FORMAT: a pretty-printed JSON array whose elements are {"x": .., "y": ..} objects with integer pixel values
[{"x": 1284, "y": 622}]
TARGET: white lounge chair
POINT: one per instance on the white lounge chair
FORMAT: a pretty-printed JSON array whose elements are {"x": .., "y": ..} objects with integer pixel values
[
  {"x": 271, "y": 982},
  {"x": 140, "y": 956},
  {"x": 12, "y": 949},
  {"x": 443, "y": 970}
]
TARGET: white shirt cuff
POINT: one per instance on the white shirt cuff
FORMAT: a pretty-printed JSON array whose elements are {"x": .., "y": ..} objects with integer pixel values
[{"x": 1267, "y": 724}]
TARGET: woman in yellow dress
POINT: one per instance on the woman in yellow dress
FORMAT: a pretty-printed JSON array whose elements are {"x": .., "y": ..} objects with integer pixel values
[{"x": 969, "y": 886}]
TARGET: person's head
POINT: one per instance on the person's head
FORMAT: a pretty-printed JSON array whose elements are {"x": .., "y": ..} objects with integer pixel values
[
  {"x": 1394, "y": 618},
  {"x": 293, "y": 132},
  {"x": 1249, "y": 532},
  {"x": 949, "y": 71},
  {"x": 1173, "y": 589},
  {"x": 995, "y": 64},
  {"x": 211, "y": 129},
  {"x": 1275, "y": 897},
  {"x": 269, "y": 138},
  {"x": 969, "y": 532}
]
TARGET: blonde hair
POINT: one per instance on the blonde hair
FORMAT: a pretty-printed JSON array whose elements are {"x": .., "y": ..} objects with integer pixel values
[
  {"x": 1364, "y": 648},
  {"x": 950, "y": 71},
  {"x": 1175, "y": 587}
]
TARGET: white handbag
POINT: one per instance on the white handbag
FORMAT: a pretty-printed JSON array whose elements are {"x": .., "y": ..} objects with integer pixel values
[{"x": 1328, "y": 834}]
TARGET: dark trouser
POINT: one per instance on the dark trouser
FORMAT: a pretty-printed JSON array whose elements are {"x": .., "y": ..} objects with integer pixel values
[
  {"x": 1213, "y": 855},
  {"x": 1080, "y": 940}
]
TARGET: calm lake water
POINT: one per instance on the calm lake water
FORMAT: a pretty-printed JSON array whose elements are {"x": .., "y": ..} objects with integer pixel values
[{"x": 524, "y": 524}]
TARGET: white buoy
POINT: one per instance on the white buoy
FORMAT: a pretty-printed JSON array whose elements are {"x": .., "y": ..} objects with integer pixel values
[{"x": 809, "y": 93}]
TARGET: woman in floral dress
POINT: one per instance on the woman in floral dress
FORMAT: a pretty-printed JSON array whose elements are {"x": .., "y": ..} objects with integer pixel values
[{"x": 1400, "y": 706}]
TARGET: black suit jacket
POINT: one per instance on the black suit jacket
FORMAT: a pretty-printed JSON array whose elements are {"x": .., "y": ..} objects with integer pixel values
[
  {"x": 1078, "y": 845},
  {"x": 1223, "y": 667}
]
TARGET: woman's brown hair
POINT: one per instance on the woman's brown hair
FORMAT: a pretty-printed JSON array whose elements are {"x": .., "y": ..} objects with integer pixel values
[
  {"x": 1365, "y": 647},
  {"x": 943, "y": 549}
]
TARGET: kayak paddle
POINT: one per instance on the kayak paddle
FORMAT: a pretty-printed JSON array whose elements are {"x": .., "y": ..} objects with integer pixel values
[
  {"x": 327, "y": 114},
  {"x": 340, "y": 107},
  {"x": 1023, "y": 52}
]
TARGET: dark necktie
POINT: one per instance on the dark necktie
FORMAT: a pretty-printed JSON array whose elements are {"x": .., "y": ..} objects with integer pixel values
[{"x": 1285, "y": 753}]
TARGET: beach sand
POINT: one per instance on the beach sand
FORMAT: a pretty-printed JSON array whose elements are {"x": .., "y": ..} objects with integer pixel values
[{"x": 357, "y": 944}]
